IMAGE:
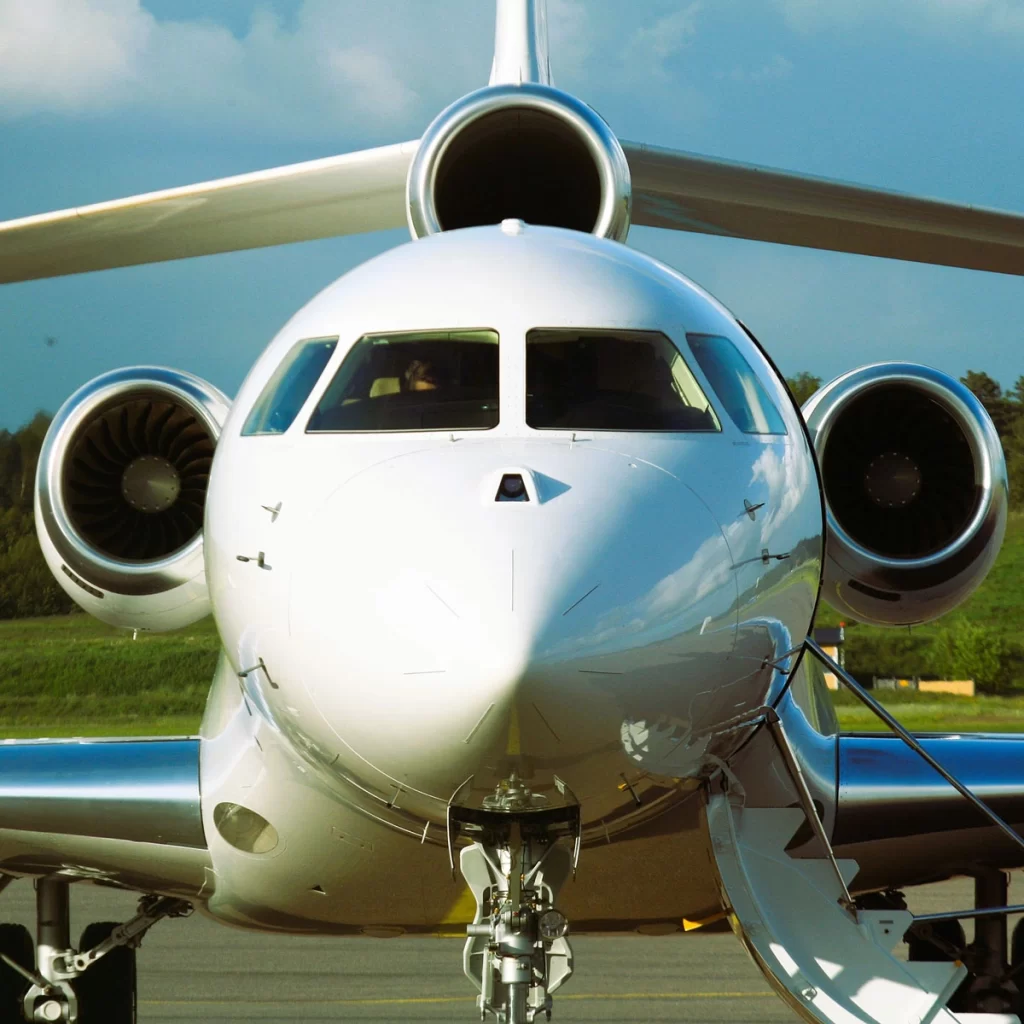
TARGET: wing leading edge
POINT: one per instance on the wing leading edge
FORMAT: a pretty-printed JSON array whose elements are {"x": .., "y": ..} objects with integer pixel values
[
  {"x": 342, "y": 195},
  {"x": 365, "y": 191},
  {"x": 687, "y": 192}
]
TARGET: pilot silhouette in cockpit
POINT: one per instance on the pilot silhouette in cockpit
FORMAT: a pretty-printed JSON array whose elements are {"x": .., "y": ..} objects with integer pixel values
[{"x": 420, "y": 375}]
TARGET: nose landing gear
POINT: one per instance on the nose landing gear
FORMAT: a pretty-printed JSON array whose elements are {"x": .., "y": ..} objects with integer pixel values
[{"x": 517, "y": 952}]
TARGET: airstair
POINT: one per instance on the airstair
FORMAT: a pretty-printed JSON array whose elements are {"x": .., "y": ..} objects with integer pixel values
[
  {"x": 830, "y": 960},
  {"x": 831, "y": 964}
]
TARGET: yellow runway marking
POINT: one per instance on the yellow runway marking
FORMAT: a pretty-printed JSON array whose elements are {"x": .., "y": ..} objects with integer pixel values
[
  {"x": 513, "y": 732},
  {"x": 461, "y": 912},
  {"x": 419, "y": 1000}
]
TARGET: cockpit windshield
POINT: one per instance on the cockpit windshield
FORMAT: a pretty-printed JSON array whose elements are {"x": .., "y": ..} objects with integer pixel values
[
  {"x": 428, "y": 380},
  {"x": 736, "y": 384},
  {"x": 287, "y": 390},
  {"x": 611, "y": 380}
]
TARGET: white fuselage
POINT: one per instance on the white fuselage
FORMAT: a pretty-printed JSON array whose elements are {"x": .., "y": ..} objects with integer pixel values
[{"x": 406, "y": 639}]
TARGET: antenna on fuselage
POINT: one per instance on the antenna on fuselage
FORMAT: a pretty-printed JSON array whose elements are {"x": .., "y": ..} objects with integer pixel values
[{"x": 521, "y": 43}]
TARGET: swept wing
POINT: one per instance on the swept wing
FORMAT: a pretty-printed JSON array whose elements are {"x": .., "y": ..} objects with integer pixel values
[
  {"x": 688, "y": 192},
  {"x": 340, "y": 195}
]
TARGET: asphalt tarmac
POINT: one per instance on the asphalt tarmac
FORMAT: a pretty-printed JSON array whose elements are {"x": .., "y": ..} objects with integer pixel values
[{"x": 199, "y": 970}]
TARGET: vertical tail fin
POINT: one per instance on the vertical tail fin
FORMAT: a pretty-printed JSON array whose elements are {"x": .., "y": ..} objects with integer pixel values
[{"x": 521, "y": 43}]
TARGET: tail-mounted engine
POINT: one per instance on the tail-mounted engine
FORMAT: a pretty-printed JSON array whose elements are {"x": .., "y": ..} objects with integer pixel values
[
  {"x": 120, "y": 493},
  {"x": 529, "y": 152},
  {"x": 915, "y": 491}
]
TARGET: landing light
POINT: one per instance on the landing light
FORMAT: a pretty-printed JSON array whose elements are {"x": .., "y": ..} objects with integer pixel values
[{"x": 552, "y": 925}]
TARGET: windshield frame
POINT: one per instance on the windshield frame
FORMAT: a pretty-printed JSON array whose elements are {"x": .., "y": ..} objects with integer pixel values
[{"x": 268, "y": 401}]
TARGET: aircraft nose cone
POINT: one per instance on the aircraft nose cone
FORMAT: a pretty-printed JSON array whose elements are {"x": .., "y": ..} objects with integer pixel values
[{"x": 445, "y": 633}]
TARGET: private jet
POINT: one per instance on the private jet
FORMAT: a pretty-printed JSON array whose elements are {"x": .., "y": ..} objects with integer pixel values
[{"x": 514, "y": 537}]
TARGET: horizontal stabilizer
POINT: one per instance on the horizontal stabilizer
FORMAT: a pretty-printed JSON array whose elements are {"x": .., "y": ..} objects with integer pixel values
[
  {"x": 341, "y": 195},
  {"x": 687, "y": 192}
]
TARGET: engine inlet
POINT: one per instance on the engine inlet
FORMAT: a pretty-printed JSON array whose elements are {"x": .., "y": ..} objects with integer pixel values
[
  {"x": 528, "y": 152},
  {"x": 915, "y": 492},
  {"x": 136, "y": 478},
  {"x": 121, "y": 494}
]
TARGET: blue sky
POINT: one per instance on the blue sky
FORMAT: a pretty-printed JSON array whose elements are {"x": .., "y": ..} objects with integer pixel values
[{"x": 104, "y": 98}]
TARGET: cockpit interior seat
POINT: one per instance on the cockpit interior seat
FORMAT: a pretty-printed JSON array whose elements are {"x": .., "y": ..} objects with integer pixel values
[{"x": 385, "y": 386}]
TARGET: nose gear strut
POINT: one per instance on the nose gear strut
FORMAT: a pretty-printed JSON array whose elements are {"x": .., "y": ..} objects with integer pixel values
[{"x": 517, "y": 953}]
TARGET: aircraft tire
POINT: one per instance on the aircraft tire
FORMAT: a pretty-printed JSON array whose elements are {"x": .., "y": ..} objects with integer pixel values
[
  {"x": 1017, "y": 945},
  {"x": 15, "y": 942},
  {"x": 108, "y": 991}
]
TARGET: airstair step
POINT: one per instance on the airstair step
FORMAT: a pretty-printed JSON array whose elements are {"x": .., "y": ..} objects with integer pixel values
[{"x": 986, "y": 1018}]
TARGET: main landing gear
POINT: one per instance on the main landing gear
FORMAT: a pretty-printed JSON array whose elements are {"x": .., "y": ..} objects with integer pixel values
[
  {"x": 50, "y": 981},
  {"x": 517, "y": 953},
  {"x": 995, "y": 965}
]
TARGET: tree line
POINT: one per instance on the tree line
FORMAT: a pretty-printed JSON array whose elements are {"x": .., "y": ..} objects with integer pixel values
[{"x": 27, "y": 587}]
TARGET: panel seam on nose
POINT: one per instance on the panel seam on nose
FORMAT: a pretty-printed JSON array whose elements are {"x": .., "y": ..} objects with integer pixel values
[{"x": 575, "y": 604}]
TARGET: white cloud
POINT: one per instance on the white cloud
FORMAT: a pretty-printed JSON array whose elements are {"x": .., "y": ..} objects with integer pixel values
[
  {"x": 997, "y": 17},
  {"x": 570, "y": 40},
  {"x": 67, "y": 56},
  {"x": 653, "y": 46},
  {"x": 774, "y": 70},
  {"x": 371, "y": 77},
  {"x": 336, "y": 67}
]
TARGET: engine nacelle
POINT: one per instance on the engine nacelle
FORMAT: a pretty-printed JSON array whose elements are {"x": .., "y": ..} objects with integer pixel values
[
  {"x": 915, "y": 492},
  {"x": 529, "y": 152},
  {"x": 121, "y": 491}
]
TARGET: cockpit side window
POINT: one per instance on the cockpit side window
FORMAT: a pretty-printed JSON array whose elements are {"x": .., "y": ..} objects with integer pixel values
[
  {"x": 736, "y": 385},
  {"x": 423, "y": 380},
  {"x": 611, "y": 380},
  {"x": 287, "y": 390}
]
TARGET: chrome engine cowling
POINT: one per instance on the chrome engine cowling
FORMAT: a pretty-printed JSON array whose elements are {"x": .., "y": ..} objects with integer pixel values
[
  {"x": 121, "y": 491},
  {"x": 526, "y": 152},
  {"x": 915, "y": 492}
]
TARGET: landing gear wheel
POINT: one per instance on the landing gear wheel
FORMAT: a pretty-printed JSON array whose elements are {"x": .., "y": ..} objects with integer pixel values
[
  {"x": 922, "y": 950},
  {"x": 107, "y": 991},
  {"x": 954, "y": 942},
  {"x": 1017, "y": 947},
  {"x": 15, "y": 942}
]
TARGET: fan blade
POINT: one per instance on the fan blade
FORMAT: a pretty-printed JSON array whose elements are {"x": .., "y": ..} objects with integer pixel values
[
  {"x": 102, "y": 461},
  {"x": 114, "y": 448},
  {"x": 185, "y": 441},
  {"x": 156, "y": 428},
  {"x": 687, "y": 192},
  {"x": 194, "y": 461},
  {"x": 339, "y": 195},
  {"x": 140, "y": 431},
  {"x": 125, "y": 435}
]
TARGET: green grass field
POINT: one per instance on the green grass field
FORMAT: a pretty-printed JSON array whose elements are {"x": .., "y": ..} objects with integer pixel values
[
  {"x": 935, "y": 712},
  {"x": 73, "y": 676}
]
